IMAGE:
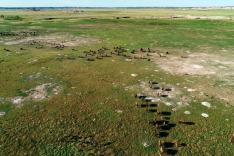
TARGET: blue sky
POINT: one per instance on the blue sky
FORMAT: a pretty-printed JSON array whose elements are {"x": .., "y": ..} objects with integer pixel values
[{"x": 115, "y": 3}]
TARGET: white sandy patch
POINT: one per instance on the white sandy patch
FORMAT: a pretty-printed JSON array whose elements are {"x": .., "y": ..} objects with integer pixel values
[
  {"x": 2, "y": 114},
  {"x": 205, "y": 115},
  {"x": 187, "y": 112},
  {"x": 33, "y": 61},
  {"x": 145, "y": 144},
  {"x": 191, "y": 90},
  {"x": 128, "y": 60},
  {"x": 41, "y": 92},
  {"x": 134, "y": 75},
  {"x": 168, "y": 104},
  {"x": 38, "y": 93},
  {"x": 206, "y": 104},
  {"x": 17, "y": 100},
  {"x": 119, "y": 111},
  {"x": 194, "y": 64}
]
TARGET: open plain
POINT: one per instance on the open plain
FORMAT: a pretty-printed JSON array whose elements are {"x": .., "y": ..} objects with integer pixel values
[{"x": 117, "y": 82}]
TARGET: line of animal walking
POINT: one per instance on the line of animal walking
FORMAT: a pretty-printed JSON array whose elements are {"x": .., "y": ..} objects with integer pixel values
[{"x": 162, "y": 123}]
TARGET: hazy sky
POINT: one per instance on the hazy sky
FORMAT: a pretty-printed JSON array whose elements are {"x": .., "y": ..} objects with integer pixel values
[{"x": 115, "y": 3}]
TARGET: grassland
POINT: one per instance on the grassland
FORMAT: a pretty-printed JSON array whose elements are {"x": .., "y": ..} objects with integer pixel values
[{"x": 95, "y": 111}]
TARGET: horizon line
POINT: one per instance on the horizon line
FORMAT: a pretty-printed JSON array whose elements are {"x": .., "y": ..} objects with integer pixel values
[{"x": 115, "y": 7}]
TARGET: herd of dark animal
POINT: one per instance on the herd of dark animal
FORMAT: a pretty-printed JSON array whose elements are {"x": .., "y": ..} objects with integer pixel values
[
  {"x": 161, "y": 123},
  {"x": 21, "y": 33},
  {"x": 90, "y": 55},
  {"x": 104, "y": 52},
  {"x": 39, "y": 44}
]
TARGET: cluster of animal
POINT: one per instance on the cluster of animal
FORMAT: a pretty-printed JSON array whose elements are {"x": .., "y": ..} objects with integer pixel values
[
  {"x": 40, "y": 44},
  {"x": 9, "y": 50},
  {"x": 92, "y": 55},
  {"x": 103, "y": 52},
  {"x": 78, "y": 11},
  {"x": 146, "y": 53},
  {"x": 124, "y": 17},
  {"x": 143, "y": 50},
  {"x": 161, "y": 91},
  {"x": 142, "y": 53},
  {"x": 162, "y": 122},
  {"x": 119, "y": 50},
  {"x": 21, "y": 33}
]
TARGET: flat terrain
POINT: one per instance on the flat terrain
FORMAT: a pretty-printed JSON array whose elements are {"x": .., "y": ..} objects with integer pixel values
[{"x": 117, "y": 82}]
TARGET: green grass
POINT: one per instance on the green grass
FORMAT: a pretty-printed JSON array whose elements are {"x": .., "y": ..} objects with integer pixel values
[{"x": 84, "y": 118}]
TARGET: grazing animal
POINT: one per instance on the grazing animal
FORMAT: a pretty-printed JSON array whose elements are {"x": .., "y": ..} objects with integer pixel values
[
  {"x": 164, "y": 95},
  {"x": 167, "y": 152},
  {"x": 140, "y": 96},
  {"x": 133, "y": 51},
  {"x": 186, "y": 122},
  {"x": 162, "y": 134},
  {"x": 153, "y": 82},
  {"x": 168, "y": 89},
  {"x": 149, "y": 50},
  {"x": 90, "y": 59},
  {"x": 7, "y": 50},
  {"x": 142, "y": 50}
]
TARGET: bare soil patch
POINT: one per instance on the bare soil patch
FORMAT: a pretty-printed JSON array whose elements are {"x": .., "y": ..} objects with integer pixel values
[
  {"x": 219, "y": 68},
  {"x": 38, "y": 93},
  {"x": 53, "y": 40},
  {"x": 195, "y": 64}
]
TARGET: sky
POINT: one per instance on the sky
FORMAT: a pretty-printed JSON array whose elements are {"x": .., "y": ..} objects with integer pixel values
[{"x": 115, "y": 3}]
